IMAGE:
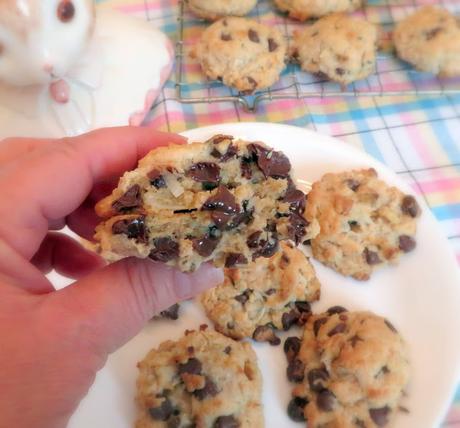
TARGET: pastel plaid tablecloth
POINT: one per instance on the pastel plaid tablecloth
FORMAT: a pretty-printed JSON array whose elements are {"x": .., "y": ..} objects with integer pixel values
[{"x": 417, "y": 137}]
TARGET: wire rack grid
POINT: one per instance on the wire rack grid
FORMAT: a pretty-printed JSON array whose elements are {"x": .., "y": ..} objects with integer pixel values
[{"x": 392, "y": 77}]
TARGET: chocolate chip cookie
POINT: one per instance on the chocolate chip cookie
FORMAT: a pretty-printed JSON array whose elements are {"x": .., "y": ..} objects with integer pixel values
[
  {"x": 202, "y": 380},
  {"x": 225, "y": 200},
  {"x": 267, "y": 294},
  {"x": 364, "y": 222},
  {"x": 306, "y": 9},
  {"x": 339, "y": 47},
  {"x": 430, "y": 40},
  {"x": 350, "y": 370},
  {"x": 216, "y": 9},
  {"x": 242, "y": 53}
]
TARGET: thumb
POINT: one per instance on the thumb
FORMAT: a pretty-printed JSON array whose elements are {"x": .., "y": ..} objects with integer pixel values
[{"x": 111, "y": 305}]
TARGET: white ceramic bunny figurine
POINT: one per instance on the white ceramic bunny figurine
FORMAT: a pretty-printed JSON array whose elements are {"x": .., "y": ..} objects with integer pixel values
[{"x": 67, "y": 66}]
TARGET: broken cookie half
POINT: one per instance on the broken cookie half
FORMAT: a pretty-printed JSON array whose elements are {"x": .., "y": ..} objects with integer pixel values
[{"x": 226, "y": 200}]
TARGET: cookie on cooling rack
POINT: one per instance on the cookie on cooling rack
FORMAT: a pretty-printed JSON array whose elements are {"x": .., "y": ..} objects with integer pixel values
[
  {"x": 306, "y": 9},
  {"x": 226, "y": 200},
  {"x": 242, "y": 53},
  {"x": 351, "y": 369},
  {"x": 217, "y": 9},
  {"x": 364, "y": 222},
  {"x": 430, "y": 40},
  {"x": 267, "y": 294},
  {"x": 204, "y": 379},
  {"x": 340, "y": 47}
]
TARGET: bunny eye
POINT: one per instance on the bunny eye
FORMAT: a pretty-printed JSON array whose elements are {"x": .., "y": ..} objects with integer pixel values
[{"x": 65, "y": 11}]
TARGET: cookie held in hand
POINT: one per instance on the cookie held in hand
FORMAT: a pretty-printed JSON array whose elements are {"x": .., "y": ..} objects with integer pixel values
[{"x": 226, "y": 200}]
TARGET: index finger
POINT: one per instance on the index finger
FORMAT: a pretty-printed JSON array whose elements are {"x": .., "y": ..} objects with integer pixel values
[{"x": 53, "y": 181}]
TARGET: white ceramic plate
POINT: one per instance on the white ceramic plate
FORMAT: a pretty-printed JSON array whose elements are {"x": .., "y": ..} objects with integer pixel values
[{"x": 421, "y": 297}]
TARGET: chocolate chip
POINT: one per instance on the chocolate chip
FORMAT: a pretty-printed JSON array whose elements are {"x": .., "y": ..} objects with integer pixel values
[
  {"x": 185, "y": 211},
  {"x": 222, "y": 201},
  {"x": 317, "y": 325},
  {"x": 165, "y": 249},
  {"x": 210, "y": 389},
  {"x": 234, "y": 259},
  {"x": 295, "y": 371},
  {"x": 339, "y": 71},
  {"x": 359, "y": 423},
  {"x": 391, "y": 326},
  {"x": 317, "y": 379},
  {"x": 133, "y": 228},
  {"x": 253, "y": 239},
  {"x": 339, "y": 328},
  {"x": 372, "y": 257},
  {"x": 433, "y": 33},
  {"x": 292, "y": 347},
  {"x": 206, "y": 245},
  {"x": 406, "y": 243},
  {"x": 288, "y": 319},
  {"x": 355, "y": 339},
  {"x": 246, "y": 170},
  {"x": 208, "y": 186},
  {"x": 243, "y": 297},
  {"x": 271, "y": 163},
  {"x": 190, "y": 349},
  {"x": 383, "y": 371},
  {"x": 305, "y": 312},
  {"x": 265, "y": 333},
  {"x": 354, "y": 226},
  {"x": 207, "y": 172},
  {"x": 272, "y": 45},
  {"x": 231, "y": 152},
  {"x": 409, "y": 206},
  {"x": 336, "y": 310},
  {"x": 226, "y": 37},
  {"x": 156, "y": 179},
  {"x": 380, "y": 415},
  {"x": 353, "y": 184},
  {"x": 174, "y": 421},
  {"x": 253, "y": 36},
  {"x": 253, "y": 83},
  {"x": 130, "y": 200},
  {"x": 325, "y": 400},
  {"x": 267, "y": 247},
  {"x": 297, "y": 227},
  {"x": 162, "y": 412},
  {"x": 296, "y": 198},
  {"x": 226, "y": 422},
  {"x": 192, "y": 366},
  {"x": 296, "y": 408},
  {"x": 270, "y": 291},
  {"x": 171, "y": 313},
  {"x": 228, "y": 350},
  {"x": 244, "y": 217}
]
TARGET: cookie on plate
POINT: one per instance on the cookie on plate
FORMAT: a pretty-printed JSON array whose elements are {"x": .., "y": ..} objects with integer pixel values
[
  {"x": 339, "y": 47},
  {"x": 351, "y": 369},
  {"x": 269, "y": 293},
  {"x": 306, "y": 9},
  {"x": 430, "y": 40},
  {"x": 216, "y": 9},
  {"x": 226, "y": 200},
  {"x": 204, "y": 379},
  {"x": 242, "y": 53},
  {"x": 364, "y": 222}
]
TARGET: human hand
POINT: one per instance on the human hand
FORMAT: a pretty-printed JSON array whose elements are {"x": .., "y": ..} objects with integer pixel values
[{"x": 54, "y": 342}]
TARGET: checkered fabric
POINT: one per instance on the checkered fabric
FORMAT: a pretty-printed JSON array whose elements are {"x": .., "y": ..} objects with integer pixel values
[{"x": 416, "y": 135}]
